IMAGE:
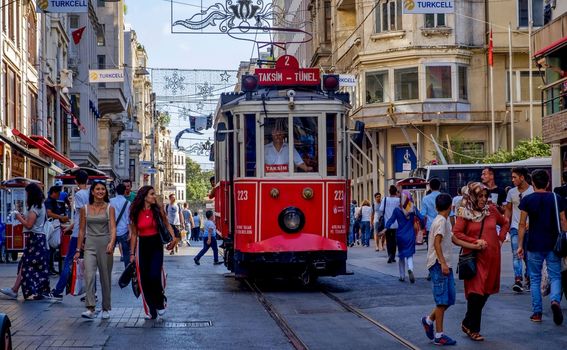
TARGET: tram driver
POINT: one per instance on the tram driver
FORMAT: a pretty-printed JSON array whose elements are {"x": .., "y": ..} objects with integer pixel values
[{"x": 276, "y": 153}]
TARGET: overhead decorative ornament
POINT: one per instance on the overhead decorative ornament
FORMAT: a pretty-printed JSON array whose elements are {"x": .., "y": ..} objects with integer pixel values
[
  {"x": 206, "y": 90},
  {"x": 225, "y": 76},
  {"x": 175, "y": 83},
  {"x": 200, "y": 105}
]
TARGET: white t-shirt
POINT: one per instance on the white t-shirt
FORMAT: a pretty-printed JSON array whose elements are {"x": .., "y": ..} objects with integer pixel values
[
  {"x": 377, "y": 212},
  {"x": 273, "y": 157},
  {"x": 456, "y": 202},
  {"x": 365, "y": 213},
  {"x": 440, "y": 226},
  {"x": 387, "y": 207},
  {"x": 514, "y": 198},
  {"x": 81, "y": 199}
]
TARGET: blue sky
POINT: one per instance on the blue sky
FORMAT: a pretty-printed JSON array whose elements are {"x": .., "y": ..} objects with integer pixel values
[{"x": 151, "y": 19}]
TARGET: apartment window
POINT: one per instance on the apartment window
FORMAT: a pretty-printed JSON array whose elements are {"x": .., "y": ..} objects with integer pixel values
[
  {"x": 521, "y": 83},
  {"x": 435, "y": 20},
  {"x": 121, "y": 152},
  {"x": 5, "y": 9},
  {"x": 11, "y": 20},
  {"x": 132, "y": 169},
  {"x": 376, "y": 86},
  {"x": 388, "y": 15},
  {"x": 463, "y": 83},
  {"x": 406, "y": 84},
  {"x": 74, "y": 22},
  {"x": 12, "y": 93},
  {"x": 100, "y": 40},
  {"x": 438, "y": 81},
  {"x": 33, "y": 120},
  {"x": 537, "y": 13},
  {"x": 327, "y": 6},
  {"x": 101, "y": 61},
  {"x": 32, "y": 37}
]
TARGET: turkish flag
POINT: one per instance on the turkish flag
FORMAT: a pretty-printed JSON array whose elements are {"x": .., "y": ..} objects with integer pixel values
[
  {"x": 490, "y": 50},
  {"x": 78, "y": 34}
]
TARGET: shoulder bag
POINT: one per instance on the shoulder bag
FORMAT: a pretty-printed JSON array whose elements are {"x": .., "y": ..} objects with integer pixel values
[
  {"x": 466, "y": 268},
  {"x": 162, "y": 230},
  {"x": 560, "y": 248}
]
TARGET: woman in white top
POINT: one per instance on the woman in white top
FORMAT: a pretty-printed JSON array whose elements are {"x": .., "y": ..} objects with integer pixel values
[{"x": 365, "y": 214}]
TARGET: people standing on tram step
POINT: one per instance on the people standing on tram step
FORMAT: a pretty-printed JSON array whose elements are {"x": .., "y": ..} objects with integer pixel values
[
  {"x": 562, "y": 192},
  {"x": 353, "y": 224},
  {"x": 365, "y": 216},
  {"x": 97, "y": 238},
  {"x": 496, "y": 195},
  {"x": 196, "y": 230},
  {"x": 405, "y": 216},
  {"x": 128, "y": 193},
  {"x": 439, "y": 264},
  {"x": 189, "y": 223},
  {"x": 277, "y": 151},
  {"x": 122, "y": 211},
  {"x": 55, "y": 212},
  {"x": 81, "y": 199},
  {"x": 33, "y": 269},
  {"x": 175, "y": 219},
  {"x": 213, "y": 187},
  {"x": 147, "y": 250},
  {"x": 209, "y": 240},
  {"x": 478, "y": 219},
  {"x": 544, "y": 219},
  {"x": 378, "y": 222},
  {"x": 513, "y": 198},
  {"x": 428, "y": 206},
  {"x": 389, "y": 204}
]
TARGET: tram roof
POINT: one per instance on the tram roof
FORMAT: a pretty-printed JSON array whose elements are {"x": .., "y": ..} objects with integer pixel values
[{"x": 281, "y": 94}]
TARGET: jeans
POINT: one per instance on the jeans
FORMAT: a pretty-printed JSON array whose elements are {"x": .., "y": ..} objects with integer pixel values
[
  {"x": 206, "y": 248},
  {"x": 517, "y": 262},
  {"x": 365, "y": 232},
  {"x": 66, "y": 269},
  {"x": 535, "y": 263},
  {"x": 351, "y": 233},
  {"x": 125, "y": 244}
]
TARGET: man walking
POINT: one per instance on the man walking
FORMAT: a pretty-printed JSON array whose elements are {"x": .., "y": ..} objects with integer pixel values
[
  {"x": 56, "y": 212},
  {"x": 539, "y": 207},
  {"x": 428, "y": 210},
  {"x": 387, "y": 209},
  {"x": 122, "y": 206},
  {"x": 515, "y": 195},
  {"x": 377, "y": 222},
  {"x": 562, "y": 192},
  {"x": 189, "y": 223},
  {"x": 128, "y": 193},
  {"x": 496, "y": 194},
  {"x": 81, "y": 199},
  {"x": 175, "y": 218}
]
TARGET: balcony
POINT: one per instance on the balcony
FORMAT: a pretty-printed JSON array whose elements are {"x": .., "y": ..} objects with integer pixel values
[
  {"x": 111, "y": 99},
  {"x": 554, "y": 111},
  {"x": 550, "y": 37}
]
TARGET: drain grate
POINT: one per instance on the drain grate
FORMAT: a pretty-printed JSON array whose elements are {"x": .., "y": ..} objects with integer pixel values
[{"x": 189, "y": 324}]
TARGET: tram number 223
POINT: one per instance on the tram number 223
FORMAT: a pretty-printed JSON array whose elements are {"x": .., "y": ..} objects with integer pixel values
[
  {"x": 242, "y": 195},
  {"x": 339, "y": 195}
]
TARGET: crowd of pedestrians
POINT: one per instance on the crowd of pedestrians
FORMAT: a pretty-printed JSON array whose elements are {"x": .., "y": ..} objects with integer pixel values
[
  {"x": 130, "y": 221},
  {"x": 479, "y": 219}
]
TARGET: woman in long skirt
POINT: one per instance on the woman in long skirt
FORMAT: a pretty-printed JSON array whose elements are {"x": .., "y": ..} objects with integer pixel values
[
  {"x": 33, "y": 269},
  {"x": 147, "y": 250}
]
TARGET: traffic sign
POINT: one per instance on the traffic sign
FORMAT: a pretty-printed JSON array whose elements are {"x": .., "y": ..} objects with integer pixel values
[
  {"x": 150, "y": 171},
  {"x": 145, "y": 163}
]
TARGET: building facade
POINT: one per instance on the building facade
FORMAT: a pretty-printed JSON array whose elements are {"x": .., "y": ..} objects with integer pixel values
[{"x": 179, "y": 180}]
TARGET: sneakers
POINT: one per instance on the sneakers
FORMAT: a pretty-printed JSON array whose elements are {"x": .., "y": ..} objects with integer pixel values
[
  {"x": 428, "y": 328},
  {"x": 557, "y": 314},
  {"x": 517, "y": 287},
  {"x": 90, "y": 314},
  {"x": 9, "y": 292},
  {"x": 217, "y": 263},
  {"x": 444, "y": 340},
  {"x": 536, "y": 317},
  {"x": 161, "y": 312},
  {"x": 196, "y": 261},
  {"x": 56, "y": 295},
  {"x": 411, "y": 276},
  {"x": 105, "y": 315},
  {"x": 51, "y": 298}
]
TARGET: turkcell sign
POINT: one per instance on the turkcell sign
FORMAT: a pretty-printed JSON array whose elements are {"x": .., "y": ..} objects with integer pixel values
[
  {"x": 106, "y": 76},
  {"x": 287, "y": 73},
  {"x": 62, "y": 6},
  {"x": 347, "y": 80},
  {"x": 423, "y": 6}
]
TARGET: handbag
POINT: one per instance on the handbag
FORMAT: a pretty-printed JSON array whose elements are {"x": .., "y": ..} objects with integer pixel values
[
  {"x": 77, "y": 286},
  {"x": 127, "y": 275},
  {"x": 163, "y": 232},
  {"x": 560, "y": 248},
  {"x": 466, "y": 268}
]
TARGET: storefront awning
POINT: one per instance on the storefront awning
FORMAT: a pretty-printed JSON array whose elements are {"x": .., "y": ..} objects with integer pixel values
[
  {"x": 554, "y": 46},
  {"x": 44, "y": 146}
]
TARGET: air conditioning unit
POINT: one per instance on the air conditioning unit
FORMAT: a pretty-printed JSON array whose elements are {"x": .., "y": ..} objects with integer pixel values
[{"x": 66, "y": 78}]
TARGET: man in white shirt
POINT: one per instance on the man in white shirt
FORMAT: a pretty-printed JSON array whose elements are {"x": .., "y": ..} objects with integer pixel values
[
  {"x": 387, "y": 209},
  {"x": 512, "y": 212},
  {"x": 122, "y": 209},
  {"x": 276, "y": 154}
]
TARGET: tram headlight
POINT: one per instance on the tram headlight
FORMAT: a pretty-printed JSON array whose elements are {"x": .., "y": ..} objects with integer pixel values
[{"x": 291, "y": 220}]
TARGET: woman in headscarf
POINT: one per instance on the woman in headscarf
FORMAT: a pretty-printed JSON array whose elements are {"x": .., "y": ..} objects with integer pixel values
[
  {"x": 477, "y": 221},
  {"x": 405, "y": 216}
]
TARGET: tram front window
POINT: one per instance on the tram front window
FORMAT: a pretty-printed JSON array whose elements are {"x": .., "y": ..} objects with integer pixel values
[{"x": 276, "y": 148}]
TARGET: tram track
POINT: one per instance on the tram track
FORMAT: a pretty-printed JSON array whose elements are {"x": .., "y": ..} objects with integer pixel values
[{"x": 294, "y": 338}]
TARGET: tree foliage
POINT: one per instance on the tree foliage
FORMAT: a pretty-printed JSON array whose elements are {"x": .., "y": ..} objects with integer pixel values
[
  {"x": 463, "y": 152},
  {"x": 198, "y": 184},
  {"x": 163, "y": 119},
  {"x": 525, "y": 149}
]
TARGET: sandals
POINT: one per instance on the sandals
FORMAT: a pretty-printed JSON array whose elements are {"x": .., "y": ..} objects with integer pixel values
[{"x": 473, "y": 335}]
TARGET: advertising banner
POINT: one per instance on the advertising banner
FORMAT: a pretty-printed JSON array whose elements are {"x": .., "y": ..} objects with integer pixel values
[
  {"x": 106, "y": 76},
  {"x": 62, "y": 6},
  {"x": 347, "y": 80},
  {"x": 411, "y": 7}
]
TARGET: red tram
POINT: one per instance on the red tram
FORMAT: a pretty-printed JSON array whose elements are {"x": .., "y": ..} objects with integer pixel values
[{"x": 282, "y": 210}]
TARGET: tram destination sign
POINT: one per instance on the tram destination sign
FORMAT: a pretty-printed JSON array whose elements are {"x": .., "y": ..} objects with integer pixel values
[{"x": 287, "y": 73}]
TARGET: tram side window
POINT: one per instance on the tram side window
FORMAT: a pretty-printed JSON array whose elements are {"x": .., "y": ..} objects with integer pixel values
[
  {"x": 306, "y": 142},
  {"x": 250, "y": 145},
  {"x": 331, "y": 144}
]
